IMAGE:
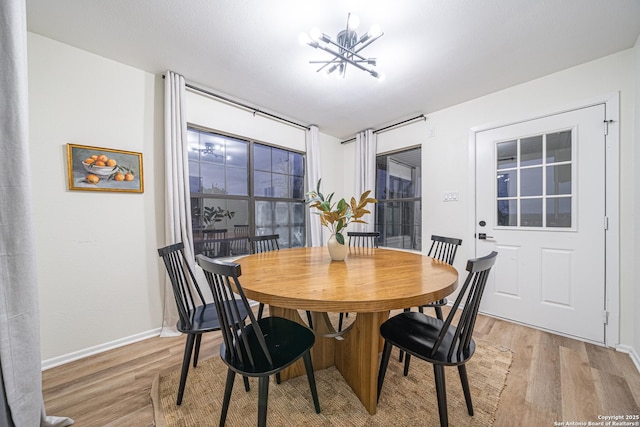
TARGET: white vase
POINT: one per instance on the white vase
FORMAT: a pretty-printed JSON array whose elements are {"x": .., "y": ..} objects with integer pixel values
[{"x": 337, "y": 251}]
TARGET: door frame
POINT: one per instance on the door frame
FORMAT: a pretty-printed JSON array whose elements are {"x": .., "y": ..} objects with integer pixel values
[{"x": 612, "y": 197}]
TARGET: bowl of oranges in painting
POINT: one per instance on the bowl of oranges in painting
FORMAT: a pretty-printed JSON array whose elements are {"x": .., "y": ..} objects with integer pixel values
[{"x": 100, "y": 166}]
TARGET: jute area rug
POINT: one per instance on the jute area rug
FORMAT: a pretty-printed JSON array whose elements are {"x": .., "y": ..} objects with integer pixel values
[{"x": 405, "y": 401}]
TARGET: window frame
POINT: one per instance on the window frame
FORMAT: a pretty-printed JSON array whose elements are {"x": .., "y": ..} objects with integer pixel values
[{"x": 251, "y": 198}]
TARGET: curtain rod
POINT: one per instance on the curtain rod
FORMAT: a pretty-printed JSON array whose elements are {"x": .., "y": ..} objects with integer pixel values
[
  {"x": 421, "y": 116},
  {"x": 248, "y": 107}
]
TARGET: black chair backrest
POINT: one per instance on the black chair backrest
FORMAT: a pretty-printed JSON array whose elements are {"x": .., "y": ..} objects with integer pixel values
[
  {"x": 259, "y": 244},
  {"x": 223, "y": 280},
  {"x": 241, "y": 230},
  {"x": 444, "y": 248},
  {"x": 471, "y": 292},
  {"x": 363, "y": 239},
  {"x": 183, "y": 282},
  {"x": 215, "y": 233}
]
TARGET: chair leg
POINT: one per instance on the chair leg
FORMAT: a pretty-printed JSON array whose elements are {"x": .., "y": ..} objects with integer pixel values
[
  {"x": 401, "y": 356},
  {"x": 196, "y": 351},
  {"x": 438, "y": 312},
  {"x": 246, "y": 383},
  {"x": 186, "y": 359},
  {"x": 441, "y": 391},
  {"x": 421, "y": 309},
  {"x": 407, "y": 360},
  {"x": 462, "y": 370},
  {"x": 340, "y": 322},
  {"x": 260, "y": 310},
  {"x": 228, "y": 388},
  {"x": 384, "y": 361},
  {"x": 308, "y": 366},
  {"x": 263, "y": 396},
  {"x": 309, "y": 320},
  {"x": 278, "y": 380}
]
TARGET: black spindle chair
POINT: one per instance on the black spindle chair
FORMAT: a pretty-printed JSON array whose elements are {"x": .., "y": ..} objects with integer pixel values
[
  {"x": 443, "y": 249},
  {"x": 363, "y": 239},
  {"x": 260, "y": 244},
  {"x": 438, "y": 341},
  {"x": 196, "y": 315},
  {"x": 262, "y": 348},
  {"x": 359, "y": 239}
]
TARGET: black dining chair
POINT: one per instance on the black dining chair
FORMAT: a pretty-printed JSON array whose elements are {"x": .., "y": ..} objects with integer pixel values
[
  {"x": 438, "y": 341},
  {"x": 443, "y": 249},
  {"x": 363, "y": 239},
  {"x": 261, "y": 244},
  {"x": 359, "y": 239},
  {"x": 196, "y": 316},
  {"x": 262, "y": 348}
]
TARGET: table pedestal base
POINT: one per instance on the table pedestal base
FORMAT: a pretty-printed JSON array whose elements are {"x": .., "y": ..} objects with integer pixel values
[{"x": 356, "y": 355}]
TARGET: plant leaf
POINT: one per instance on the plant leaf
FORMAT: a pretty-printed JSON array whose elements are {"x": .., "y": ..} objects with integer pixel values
[{"x": 340, "y": 238}]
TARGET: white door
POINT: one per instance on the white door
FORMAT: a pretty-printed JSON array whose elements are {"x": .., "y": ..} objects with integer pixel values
[{"x": 540, "y": 202}]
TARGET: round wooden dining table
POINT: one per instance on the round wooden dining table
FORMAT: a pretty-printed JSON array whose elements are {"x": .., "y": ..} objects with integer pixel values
[{"x": 369, "y": 282}]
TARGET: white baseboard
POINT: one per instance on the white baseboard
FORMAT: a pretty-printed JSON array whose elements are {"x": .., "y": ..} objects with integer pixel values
[
  {"x": 633, "y": 354},
  {"x": 76, "y": 355}
]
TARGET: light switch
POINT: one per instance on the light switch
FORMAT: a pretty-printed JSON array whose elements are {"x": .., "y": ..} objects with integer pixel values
[{"x": 450, "y": 196}]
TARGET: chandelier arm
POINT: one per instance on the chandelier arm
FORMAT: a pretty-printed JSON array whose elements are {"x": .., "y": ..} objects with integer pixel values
[
  {"x": 340, "y": 55},
  {"x": 367, "y": 43},
  {"x": 355, "y": 64},
  {"x": 346, "y": 49}
]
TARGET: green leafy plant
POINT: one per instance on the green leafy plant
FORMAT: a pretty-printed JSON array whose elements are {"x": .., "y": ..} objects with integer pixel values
[
  {"x": 216, "y": 214},
  {"x": 336, "y": 216}
]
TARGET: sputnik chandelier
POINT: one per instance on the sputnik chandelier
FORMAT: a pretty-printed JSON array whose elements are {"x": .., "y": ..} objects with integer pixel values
[{"x": 348, "y": 47}]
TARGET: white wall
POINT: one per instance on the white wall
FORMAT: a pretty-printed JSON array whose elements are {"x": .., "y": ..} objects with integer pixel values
[
  {"x": 97, "y": 270},
  {"x": 445, "y": 155}
]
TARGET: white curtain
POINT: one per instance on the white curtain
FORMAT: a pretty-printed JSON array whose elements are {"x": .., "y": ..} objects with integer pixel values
[
  {"x": 177, "y": 195},
  {"x": 365, "y": 171},
  {"x": 312, "y": 139},
  {"x": 21, "y": 377}
]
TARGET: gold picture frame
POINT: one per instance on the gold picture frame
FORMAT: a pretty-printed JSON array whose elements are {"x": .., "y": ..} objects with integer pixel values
[{"x": 104, "y": 169}]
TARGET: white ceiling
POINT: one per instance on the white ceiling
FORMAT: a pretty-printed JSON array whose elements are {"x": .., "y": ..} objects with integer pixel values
[{"x": 434, "y": 53}]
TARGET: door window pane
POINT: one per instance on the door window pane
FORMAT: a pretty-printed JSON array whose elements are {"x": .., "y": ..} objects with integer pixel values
[
  {"x": 507, "y": 213},
  {"x": 559, "y": 179},
  {"x": 507, "y": 154},
  {"x": 559, "y": 147},
  {"x": 559, "y": 212},
  {"x": 531, "y": 182},
  {"x": 508, "y": 184},
  {"x": 531, "y": 212},
  {"x": 531, "y": 151}
]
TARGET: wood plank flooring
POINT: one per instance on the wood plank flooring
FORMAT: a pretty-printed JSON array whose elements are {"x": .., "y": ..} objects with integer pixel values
[{"x": 552, "y": 379}]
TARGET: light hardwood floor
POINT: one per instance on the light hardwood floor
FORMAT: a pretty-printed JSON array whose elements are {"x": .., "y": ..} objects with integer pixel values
[{"x": 552, "y": 379}]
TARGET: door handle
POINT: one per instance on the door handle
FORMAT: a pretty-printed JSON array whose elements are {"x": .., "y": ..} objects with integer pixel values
[{"x": 483, "y": 236}]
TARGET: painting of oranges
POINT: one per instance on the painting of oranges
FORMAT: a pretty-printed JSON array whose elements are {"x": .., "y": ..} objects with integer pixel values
[{"x": 104, "y": 169}]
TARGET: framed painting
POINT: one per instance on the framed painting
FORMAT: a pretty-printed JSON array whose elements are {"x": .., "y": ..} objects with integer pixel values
[{"x": 104, "y": 169}]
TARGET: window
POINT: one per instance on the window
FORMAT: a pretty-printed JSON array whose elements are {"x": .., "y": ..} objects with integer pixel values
[
  {"x": 534, "y": 181},
  {"x": 240, "y": 187},
  {"x": 399, "y": 208}
]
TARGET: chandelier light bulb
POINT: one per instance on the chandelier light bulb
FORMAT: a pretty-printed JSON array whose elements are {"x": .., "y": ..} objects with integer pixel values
[
  {"x": 315, "y": 34},
  {"x": 354, "y": 22},
  {"x": 375, "y": 30},
  {"x": 304, "y": 38}
]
